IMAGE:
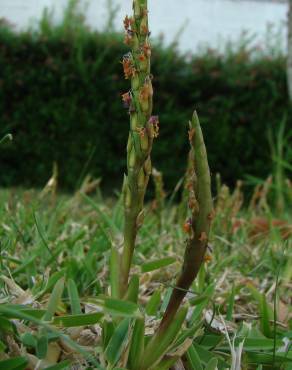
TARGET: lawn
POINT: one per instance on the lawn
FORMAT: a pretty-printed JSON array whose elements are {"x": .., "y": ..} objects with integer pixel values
[{"x": 55, "y": 257}]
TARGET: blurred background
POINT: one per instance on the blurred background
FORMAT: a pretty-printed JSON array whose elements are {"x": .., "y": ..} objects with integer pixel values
[
  {"x": 61, "y": 82},
  {"x": 198, "y": 23}
]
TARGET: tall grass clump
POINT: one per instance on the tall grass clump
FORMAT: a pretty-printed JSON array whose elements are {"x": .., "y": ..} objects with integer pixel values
[{"x": 143, "y": 129}]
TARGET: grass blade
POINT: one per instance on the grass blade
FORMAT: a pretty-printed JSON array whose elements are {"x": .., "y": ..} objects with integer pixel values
[
  {"x": 78, "y": 320},
  {"x": 74, "y": 297},
  {"x": 193, "y": 359},
  {"x": 230, "y": 304},
  {"x": 265, "y": 322},
  {"x": 42, "y": 346},
  {"x": 212, "y": 364},
  {"x": 61, "y": 365},
  {"x": 120, "y": 308},
  {"x": 160, "y": 342},
  {"x": 157, "y": 264},
  {"x": 153, "y": 303},
  {"x": 54, "y": 300},
  {"x": 118, "y": 342},
  {"x": 137, "y": 344},
  {"x": 114, "y": 273},
  {"x": 16, "y": 363},
  {"x": 133, "y": 289}
]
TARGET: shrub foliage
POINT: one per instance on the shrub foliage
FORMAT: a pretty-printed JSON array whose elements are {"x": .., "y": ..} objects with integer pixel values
[{"x": 60, "y": 97}]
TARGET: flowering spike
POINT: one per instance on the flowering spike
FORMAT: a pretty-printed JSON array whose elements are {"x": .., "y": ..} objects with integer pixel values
[
  {"x": 143, "y": 128},
  {"x": 154, "y": 126},
  {"x": 127, "y": 99},
  {"x": 201, "y": 208}
]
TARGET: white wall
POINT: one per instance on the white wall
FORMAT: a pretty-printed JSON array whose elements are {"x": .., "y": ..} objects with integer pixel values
[{"x": 205, "y": 21}]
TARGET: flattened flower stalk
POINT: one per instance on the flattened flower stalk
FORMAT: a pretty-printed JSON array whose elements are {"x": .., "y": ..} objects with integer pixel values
[
  {"x": 197, "y": 228},
  {"x": 143, "y": 129},
  {"x": 202, "y": 213}
]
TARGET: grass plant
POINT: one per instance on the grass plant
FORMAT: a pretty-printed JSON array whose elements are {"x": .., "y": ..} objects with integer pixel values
[{"x": 82, "y": 289}]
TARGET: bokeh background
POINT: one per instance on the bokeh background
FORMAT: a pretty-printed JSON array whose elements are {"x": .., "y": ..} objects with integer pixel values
[{"x": 61, "y": 82}]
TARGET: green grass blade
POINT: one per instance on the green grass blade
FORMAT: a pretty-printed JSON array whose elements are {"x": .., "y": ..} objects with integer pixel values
[
  {"x": 74, "y": 297},
  {"x": 5, "y": 325},
  {"x": 208, "y": 293},
  {"x": 54, "y": 300},
  {"x": 137, "y": 344},
  {"x": 61, "y": 365},
  {"x": 21, "y": 315},
  {"x": 153, "y": 303},
  {"x": 42, "y": 346},
  {"x": 50, "y": 283},
  {"x": 118, "y": 342},
  {"x": 29, "y": 340},
  {"x": 269, "y": 359},
  {"x": 166, "y": 298},
  {"x": 167, "y": 363},
  {"x": 191, "y": 332},
  {"x": 193, "y": 359},
  {"x": 212, "y": 364},
  {"x": 205, "y": 356},
  {"x": 230, "y": 307},
  {"x": 133, "y": 289},
  {"x": 157, "y": 264},
  {"x": 264, "y": 312},
  {"x": 160, "y": 342},
  {"x": 41, "y": 234},
  {"x": 115, "y": 273},
  {"x": 78, "y": 320},
  {"x": 16, "y": 363},
  {"x": 35, "y": 313},
  {"x": 108, "y": 329},
  {"x": 118, "y": 307}
]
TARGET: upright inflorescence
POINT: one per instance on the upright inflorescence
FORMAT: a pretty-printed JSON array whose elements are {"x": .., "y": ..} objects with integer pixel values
[
  {"x": 197, "y": 226},
  {"x": 143, "y": 129}
]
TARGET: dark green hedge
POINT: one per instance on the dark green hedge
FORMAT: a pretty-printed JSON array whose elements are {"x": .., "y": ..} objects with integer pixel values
[{"x": 60, "y": 98}]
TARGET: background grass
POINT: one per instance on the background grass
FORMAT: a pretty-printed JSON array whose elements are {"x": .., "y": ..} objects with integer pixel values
[{"x": 246, "y": 285}]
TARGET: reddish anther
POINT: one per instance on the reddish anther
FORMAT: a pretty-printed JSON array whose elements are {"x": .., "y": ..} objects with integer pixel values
[
  {"x": 142, "y": 57},
  {"x": 187, "y": 227},
  {"x": 129, "y": 69},
  {"x": 154, "y": 121},
  {"x": 128, "y": 23},
  {"x": 141, "y": 131},
  {"x": 127, "y": 99}
]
